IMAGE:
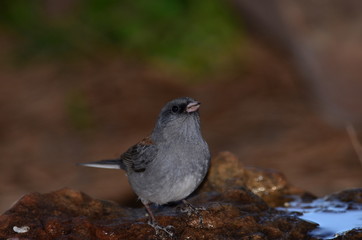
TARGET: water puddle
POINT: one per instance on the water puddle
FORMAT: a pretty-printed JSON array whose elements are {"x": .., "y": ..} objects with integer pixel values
[{"x": 333, "y": 216}]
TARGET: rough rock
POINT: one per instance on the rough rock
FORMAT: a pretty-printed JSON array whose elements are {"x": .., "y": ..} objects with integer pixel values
[
  {"x": 227, "y": 171},
  {"x": 232, "y": 211},
  {"x": 69, "y": 214},
  {"x": 354, "y": 234},
  {"x": 350, "y": 195}
]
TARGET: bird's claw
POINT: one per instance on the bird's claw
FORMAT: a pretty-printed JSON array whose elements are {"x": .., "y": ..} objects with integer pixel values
[
  {"x": 159, "y": 228},
  {"x": 191, "y": 209}
]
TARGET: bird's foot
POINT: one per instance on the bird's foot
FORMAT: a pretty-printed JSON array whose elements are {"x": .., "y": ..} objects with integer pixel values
[
  {"x": 191, "y": 209},
  {"x": 160, "y": 229}
]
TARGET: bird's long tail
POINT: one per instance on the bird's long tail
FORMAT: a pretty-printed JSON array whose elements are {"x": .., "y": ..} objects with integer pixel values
[{"x": 109, "y": 163}]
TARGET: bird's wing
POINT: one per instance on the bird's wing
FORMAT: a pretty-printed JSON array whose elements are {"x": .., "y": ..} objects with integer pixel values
[{"x": 137, "y": 157}]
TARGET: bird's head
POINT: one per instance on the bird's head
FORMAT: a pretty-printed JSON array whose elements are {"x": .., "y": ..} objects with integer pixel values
[{"x": 177, "y": 117}]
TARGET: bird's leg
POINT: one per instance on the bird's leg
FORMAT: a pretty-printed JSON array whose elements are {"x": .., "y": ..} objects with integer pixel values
[
  {"x": 191, "y": 209},
  {"x": 150, "y": 213},
  {"x": 152, "y": 222}
]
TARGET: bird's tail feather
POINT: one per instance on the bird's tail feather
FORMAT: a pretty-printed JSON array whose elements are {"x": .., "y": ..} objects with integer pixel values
[{"x": 109, "y": 163}]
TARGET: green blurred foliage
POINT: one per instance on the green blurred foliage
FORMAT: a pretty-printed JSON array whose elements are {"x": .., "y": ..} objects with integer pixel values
[
  {"x": 194, "y": 36},
  {"x": 79, "y": 111}
]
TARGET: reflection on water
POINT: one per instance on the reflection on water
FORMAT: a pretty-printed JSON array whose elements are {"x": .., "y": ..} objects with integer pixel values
[{"x": 334, "y": 217}]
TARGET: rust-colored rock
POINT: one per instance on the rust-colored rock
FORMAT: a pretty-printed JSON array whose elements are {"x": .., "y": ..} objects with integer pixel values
[
  {"x": 232, "y": 212},
  {"x": 354, "y": 234},
  {"x": 69, "y": 214},
  {"x": 350, "y": 195},
  {"x": 227, "y": 172}
]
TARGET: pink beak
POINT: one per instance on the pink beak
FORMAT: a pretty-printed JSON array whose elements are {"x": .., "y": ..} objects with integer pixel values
[{"x": 192, "y": 107}]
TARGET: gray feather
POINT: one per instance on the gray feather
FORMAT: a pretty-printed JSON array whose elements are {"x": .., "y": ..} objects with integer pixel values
[
  {"x": 170, "y": 164},
  {"x": 109, "y": 164},
  {"x": 137, "y": 157}
]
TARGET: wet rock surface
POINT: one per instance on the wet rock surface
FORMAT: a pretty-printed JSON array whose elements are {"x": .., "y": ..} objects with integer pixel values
[
  {"x": 232, "y": 211},
  {"x": 338, "y": 215}
]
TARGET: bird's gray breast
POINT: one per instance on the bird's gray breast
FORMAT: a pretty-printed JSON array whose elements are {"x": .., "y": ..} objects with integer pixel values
[{"x": 174, "y": 174}]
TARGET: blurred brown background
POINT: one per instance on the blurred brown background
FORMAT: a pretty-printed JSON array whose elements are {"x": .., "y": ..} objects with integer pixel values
[{"x": 80, "y": 81}]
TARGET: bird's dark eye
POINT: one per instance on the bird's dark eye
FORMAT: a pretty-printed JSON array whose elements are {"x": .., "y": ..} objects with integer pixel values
[{"x": 175, "y": 109}]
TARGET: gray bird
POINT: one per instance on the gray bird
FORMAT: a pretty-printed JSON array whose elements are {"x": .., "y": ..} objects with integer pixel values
[{"x": 171, "y": 163}]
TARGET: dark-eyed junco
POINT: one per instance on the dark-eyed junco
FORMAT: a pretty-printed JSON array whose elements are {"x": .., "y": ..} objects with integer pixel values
[{"x": 171, "y": 163}]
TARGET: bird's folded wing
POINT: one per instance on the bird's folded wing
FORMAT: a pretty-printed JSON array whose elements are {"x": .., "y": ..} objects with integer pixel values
[{"x": 137, "y": 157}]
